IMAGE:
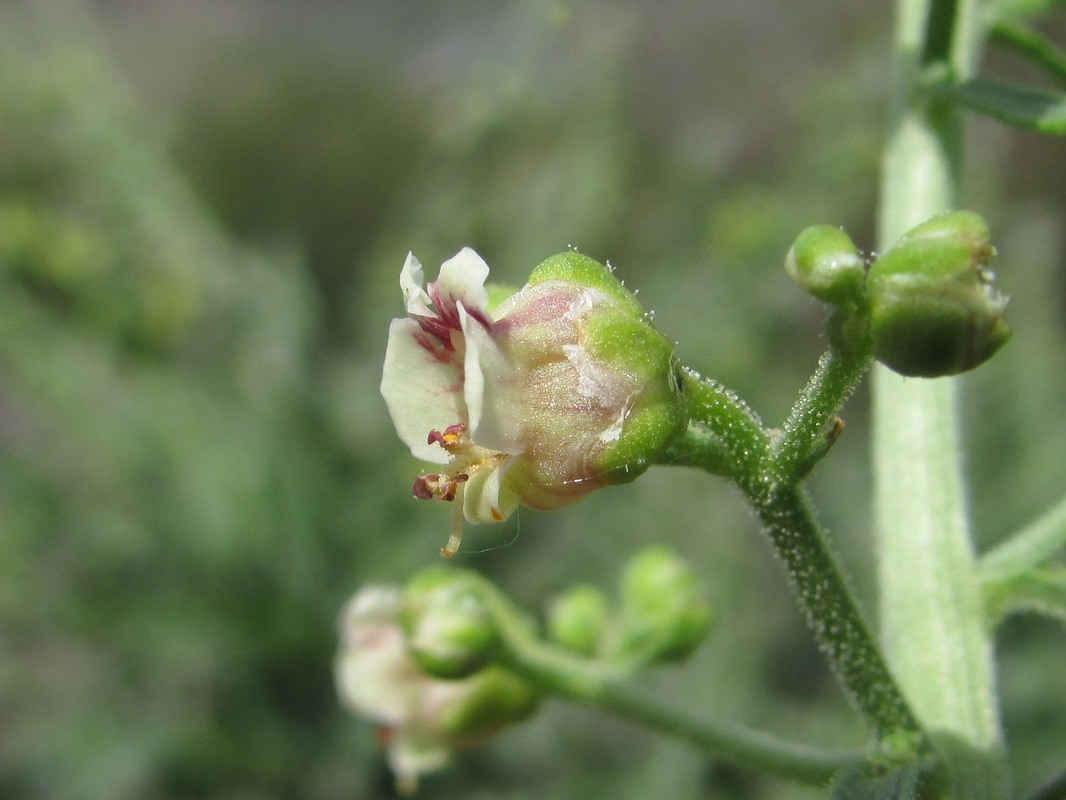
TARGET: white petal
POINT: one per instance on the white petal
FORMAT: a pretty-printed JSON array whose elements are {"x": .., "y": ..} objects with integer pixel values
[
  {"x": 463, "y": 278},
  {"x": 375, "y": 674},
  {"x": 487, "y": 496},
  {"x": 423, "y": 393},
  {"x": 414, "y": 296},
  {"x": 489, "y": 390},
  {"x": 414, "y": 753}
]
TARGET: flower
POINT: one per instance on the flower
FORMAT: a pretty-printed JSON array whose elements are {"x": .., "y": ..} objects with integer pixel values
[
  {"x": 561, "y": 389},
  {"x": 422, "y": 720}
]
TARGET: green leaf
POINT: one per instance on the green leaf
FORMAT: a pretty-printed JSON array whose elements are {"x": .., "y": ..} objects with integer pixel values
[
  {"x": 1031, "y": 44},
  {"x": 1041, "y": 591},
  {"x": 1021, "y": 8},
  {"x": 1037, "y": 110}
]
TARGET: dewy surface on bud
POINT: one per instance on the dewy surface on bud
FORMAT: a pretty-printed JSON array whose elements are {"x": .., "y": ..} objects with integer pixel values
[
  {"x": 825, "y": 262},
  {"x": 563, "y": 388},
  {"x": 933, "y": 309}
]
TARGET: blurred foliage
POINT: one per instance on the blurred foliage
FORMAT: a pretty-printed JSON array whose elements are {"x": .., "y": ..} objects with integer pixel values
[{"x": 203, "y": 211}]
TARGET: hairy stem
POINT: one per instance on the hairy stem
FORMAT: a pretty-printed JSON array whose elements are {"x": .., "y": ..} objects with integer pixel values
[
  {"x": 832, "y": 611},
  {"x": 726, "y": 438}
]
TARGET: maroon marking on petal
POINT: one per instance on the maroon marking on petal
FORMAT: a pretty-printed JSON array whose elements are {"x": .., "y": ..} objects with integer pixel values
[
  {"x": 483, "y": 319},
  {"x": 432, "y": 346},
  {"x": 437, "y": 328},
  {"x": 446, "y": 305}
]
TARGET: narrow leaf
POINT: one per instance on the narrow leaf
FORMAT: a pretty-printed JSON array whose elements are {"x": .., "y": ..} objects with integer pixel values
[
  {"x": 1033, "y": 45},
  {"x": 1038, "y": 110},
  {"x": 1041, "y": 591},
  {"x": 1021, "y": 8}
]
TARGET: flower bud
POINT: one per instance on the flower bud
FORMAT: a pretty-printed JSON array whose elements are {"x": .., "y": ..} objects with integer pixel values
[
  {"x": 933, "y": 309},
  {"x": 494, "y": 698},
  {"x": 824, "y": 261},
  {"x": 421, "y": 720},
  {"x": 450, "y": 631},
  {"x": 578, "y": 619},
  {"x": 665, "y": 613},
  {"x": 562, "y": 388}
]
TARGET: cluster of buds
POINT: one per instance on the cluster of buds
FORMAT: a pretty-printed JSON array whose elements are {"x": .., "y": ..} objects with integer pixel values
[
  {"x": 562, "y": 388},
  {"x": 926, "y": 307},
  {"x": 426, "y": 662},
  {"x": 662, "y": 614}
]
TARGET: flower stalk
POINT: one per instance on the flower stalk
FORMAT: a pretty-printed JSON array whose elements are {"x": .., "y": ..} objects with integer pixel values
[{"x": 603, "y": 686}]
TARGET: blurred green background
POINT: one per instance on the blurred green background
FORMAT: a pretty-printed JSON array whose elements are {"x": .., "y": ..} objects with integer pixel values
[{"x": 204, "y": 207}]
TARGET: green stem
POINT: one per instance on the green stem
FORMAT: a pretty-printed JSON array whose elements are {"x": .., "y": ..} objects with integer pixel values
[
  {"x": 812, "y": 426},
  {"x": 832, "y": 611},
  {"x": 931, "y": 611},
  {"x": 726, "y": 438},
  {"x": 598, "y": 685}
]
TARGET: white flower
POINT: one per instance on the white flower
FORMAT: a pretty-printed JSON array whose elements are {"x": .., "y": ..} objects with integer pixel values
[
  {"x": 421, "y": 720},
  {"x": 530, "y": 405},
  {"x": 378, "y": 679}
]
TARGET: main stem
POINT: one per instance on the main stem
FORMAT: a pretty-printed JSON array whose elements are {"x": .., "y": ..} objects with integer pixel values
[{"x": 931, "y": 614}]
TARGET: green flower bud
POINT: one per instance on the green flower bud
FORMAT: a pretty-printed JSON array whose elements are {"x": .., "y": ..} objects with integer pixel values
[
  {"x": 578, "y": 619},
  {"x": 665, "y": 612},
  {"x": 492, "y": 699},
  {"x": 450, "y": 631},
  {"x": 826, "y": 263},
  {"x": 933, "y": 309}
]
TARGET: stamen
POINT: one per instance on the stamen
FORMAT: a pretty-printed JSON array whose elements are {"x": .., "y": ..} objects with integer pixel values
[
  {"x": 450, "y": 439},
  {"x": 423, "y": 487},
  {"x": 455, "y": 538}
]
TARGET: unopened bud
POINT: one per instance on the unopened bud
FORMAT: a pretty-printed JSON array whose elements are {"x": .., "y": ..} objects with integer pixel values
[
  {"x": 449, "y": 628},
  {"x": 824, "y": 261},
  {"x": 578, "y": 619},
  {"x": 495, "y": 697},
  {"x": 665, "y": 613},
  {"x": 933, "y": 309}
]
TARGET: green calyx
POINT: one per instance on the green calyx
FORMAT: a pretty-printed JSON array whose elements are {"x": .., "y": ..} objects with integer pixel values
[
  {"x": 933, "y": 309},
  {"x": 493, "y": 698},
  {"x": 573, "y": 267},
  {"x": 655, "y": 415},
  {"x": 449, "y": 627},
  {"x": 602, "y": 358}
]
